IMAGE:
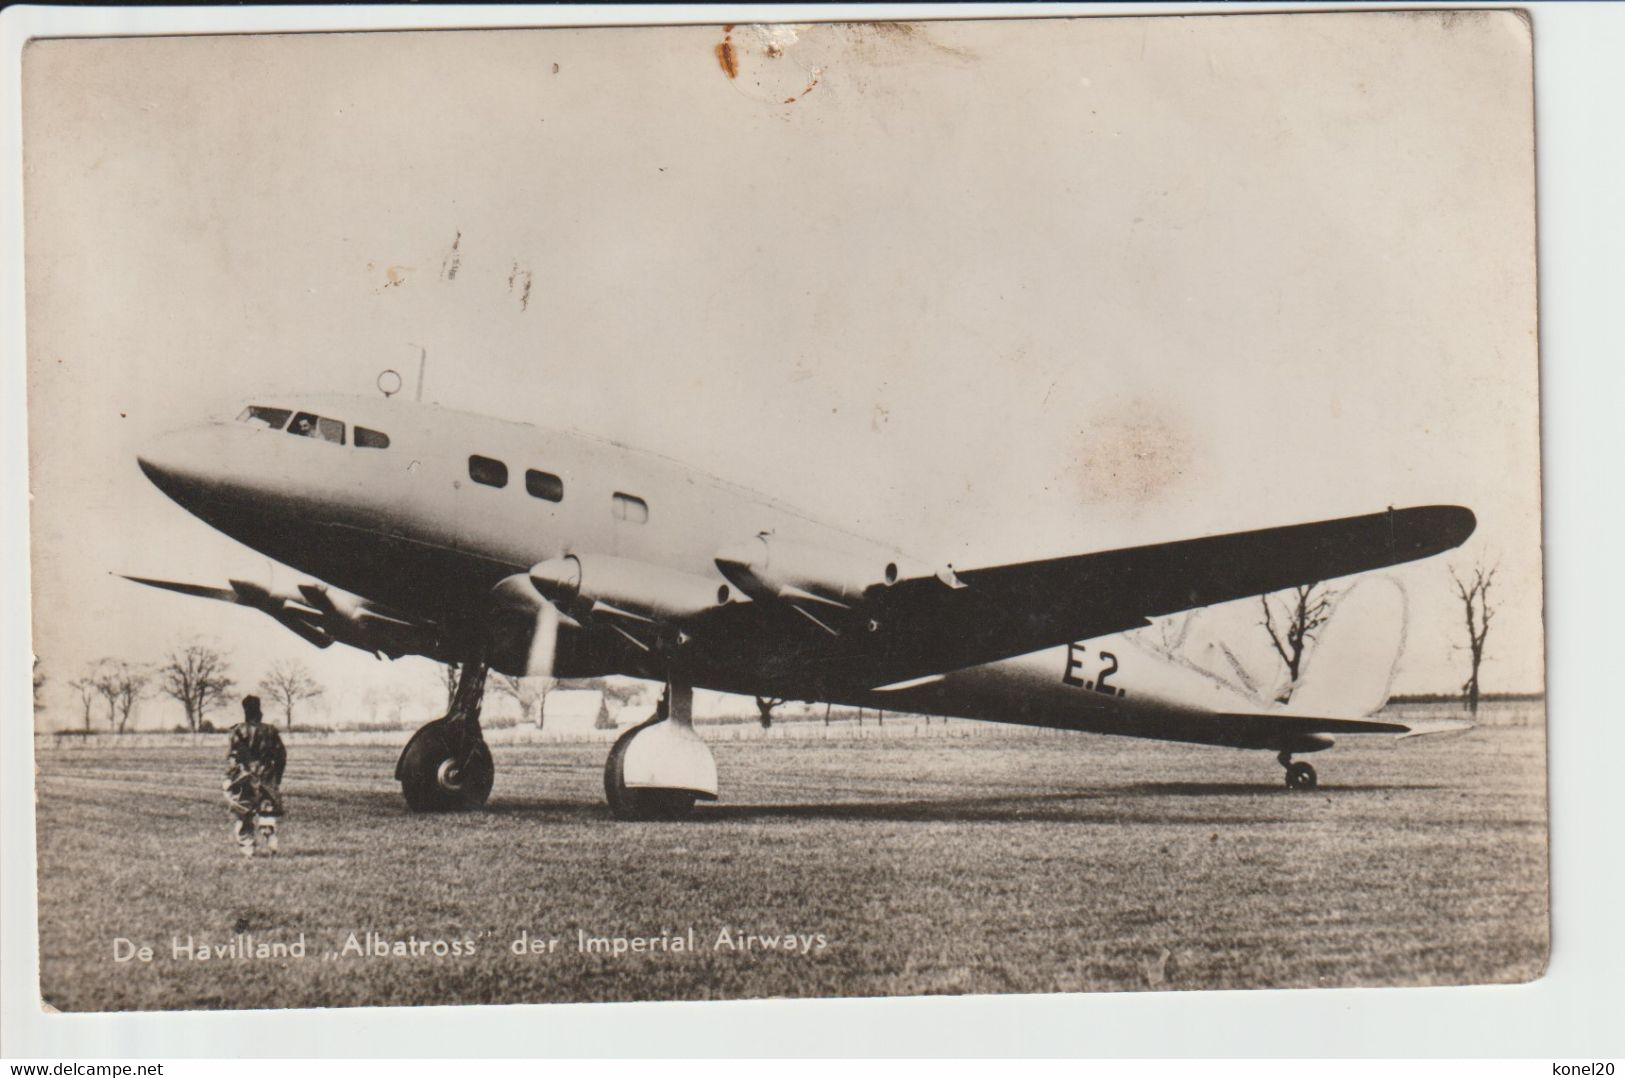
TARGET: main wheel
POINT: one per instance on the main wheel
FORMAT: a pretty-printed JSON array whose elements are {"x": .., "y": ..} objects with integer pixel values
[
  {"x": 1300, "y": 776},
  {"x": 431, "y": 779},
  {"x": 640, "y": 803}
]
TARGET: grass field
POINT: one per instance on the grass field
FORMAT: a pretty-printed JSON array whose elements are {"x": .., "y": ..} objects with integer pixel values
[{"x": 1020, "y": 861}]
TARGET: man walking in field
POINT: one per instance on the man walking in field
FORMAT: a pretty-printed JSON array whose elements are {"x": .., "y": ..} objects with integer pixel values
[{"x": 254, "y": 766}]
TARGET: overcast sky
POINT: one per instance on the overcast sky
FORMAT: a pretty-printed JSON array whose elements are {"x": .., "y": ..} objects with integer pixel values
[{"x": 987, "y": 290}]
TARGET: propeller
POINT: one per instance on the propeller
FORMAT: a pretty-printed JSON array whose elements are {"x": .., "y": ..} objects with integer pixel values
[
  {"x": 523, "y": 629},
  {"x": 544, "y": 642}
]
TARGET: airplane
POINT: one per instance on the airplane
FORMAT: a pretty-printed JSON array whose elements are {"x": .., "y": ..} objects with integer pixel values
[{"x": 505, "y": 546}]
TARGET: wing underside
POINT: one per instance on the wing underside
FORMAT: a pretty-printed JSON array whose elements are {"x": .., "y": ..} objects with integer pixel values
[{"x": 923, "y": 626}]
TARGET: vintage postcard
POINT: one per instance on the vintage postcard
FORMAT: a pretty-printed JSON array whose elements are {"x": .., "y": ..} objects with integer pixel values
[{"x": 832, "y": 509}]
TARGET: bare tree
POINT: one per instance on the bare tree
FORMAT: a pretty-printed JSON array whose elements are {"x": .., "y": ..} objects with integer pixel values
[
  {"x": 122, "y": 685},
  {"x": 1293, "y": 625},
  {"x": 290, "y": 684},
  {"x": 39, "y": 683},
  {"x": 764, "y": 707},
  {"x": 101, "y": 679},
  {"x": 1475, "y": 601},
  {"x": 199, "y": 677},
  {"x": 86, "y": 688},
  {"x": 530, "y": 693}
]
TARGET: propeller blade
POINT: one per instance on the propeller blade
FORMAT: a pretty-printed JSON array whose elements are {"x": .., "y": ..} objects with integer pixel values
[{"x": 543, "y": 643}]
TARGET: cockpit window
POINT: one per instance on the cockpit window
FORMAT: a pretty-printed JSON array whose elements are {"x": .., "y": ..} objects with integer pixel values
[
  {"x": 321, "y": 428},
  {"x": 261, "y": 416},
  {"x": 371, "y": 439}
]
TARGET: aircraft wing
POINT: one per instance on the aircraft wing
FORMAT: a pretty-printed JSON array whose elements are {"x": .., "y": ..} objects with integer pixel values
[
  {"x": 201, "y": 591},
  {"x": 924, "y": 626},
  {"x": 320, "y": 616}
]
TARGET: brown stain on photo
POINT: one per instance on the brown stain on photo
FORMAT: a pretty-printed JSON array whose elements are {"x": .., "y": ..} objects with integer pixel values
[
  {"x": 883, "y": 41},
  {"x": 805, "y": 91},
  {"x": 1136, "y": 455},
  {"x": 727, "y": 59}
]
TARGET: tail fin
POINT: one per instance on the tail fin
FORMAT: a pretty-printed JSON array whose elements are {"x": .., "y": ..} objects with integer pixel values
[{"x": 1351, "y": 669}]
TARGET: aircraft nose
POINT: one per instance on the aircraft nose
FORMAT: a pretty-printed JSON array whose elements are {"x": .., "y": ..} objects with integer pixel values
[{"x": 177, "y": 464}]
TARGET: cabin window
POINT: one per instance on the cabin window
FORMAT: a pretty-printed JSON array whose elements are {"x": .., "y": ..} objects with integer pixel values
[
  {"x": 371, "y": 439},
  {"x": 261, "y": 416},
  {"x": 631, "y": 509},
  {"x": 492, "y": 473},
  {"x": 321, "y": 428},
  {"x": 544, "y": 485}
]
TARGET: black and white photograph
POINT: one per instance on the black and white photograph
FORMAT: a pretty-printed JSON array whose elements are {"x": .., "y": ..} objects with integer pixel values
[{"x": 826, "y": 509}]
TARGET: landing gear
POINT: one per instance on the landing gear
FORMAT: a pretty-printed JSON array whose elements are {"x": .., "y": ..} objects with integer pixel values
[
  {"x": 657, "y": 770},
  {"x": 447, "y": 765},
  {"x": 1299, "y": 775}
]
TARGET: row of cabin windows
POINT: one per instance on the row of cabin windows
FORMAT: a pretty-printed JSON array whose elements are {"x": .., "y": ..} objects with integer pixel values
[
  {"x": 485, "y": 470},
  {"x": 549, "y": 487},
  {"x": 311, "y": 425}
]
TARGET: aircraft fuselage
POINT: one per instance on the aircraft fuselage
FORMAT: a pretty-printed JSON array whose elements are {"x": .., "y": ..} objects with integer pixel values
[{"x": 425, "y": 510}]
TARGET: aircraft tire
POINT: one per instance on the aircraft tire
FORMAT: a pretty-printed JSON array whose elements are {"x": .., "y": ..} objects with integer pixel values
[
  {"x": 1300, "y": 776},
  {"x": 643, "y": 803},
  {"x": 429, "y": 780}
]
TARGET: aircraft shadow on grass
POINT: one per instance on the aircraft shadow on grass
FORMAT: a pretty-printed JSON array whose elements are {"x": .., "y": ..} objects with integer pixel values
[{"x": 1079, "y": 807}]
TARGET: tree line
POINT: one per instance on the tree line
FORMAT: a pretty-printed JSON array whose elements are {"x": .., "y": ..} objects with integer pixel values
[{"x": 196, "y": 676}]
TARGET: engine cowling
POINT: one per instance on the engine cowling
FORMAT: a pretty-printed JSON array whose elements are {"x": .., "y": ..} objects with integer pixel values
[
  {"x": 768, "y": 567},
  {"x": 586, "y": 586}
]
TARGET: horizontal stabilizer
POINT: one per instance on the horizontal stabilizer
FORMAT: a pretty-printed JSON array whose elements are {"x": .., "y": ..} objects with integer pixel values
[
  {"x": 1430, "y": 727},
  {"x": 1278, "y": 732},
  {"x": 1314, "y": 724}
]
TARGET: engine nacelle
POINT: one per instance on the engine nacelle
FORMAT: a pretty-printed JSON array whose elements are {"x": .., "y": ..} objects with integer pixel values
[
  {"x": 590, "y": 585},
  {"x": 332, "y": 602},
  {"x": 767, "y": 567}
]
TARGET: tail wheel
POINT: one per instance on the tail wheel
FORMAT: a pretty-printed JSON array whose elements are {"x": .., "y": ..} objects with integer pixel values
[
  {"x": 640, "y": 803},
  {"x": 1300, "y": 776},
  {"x": 434, "y": 780}
]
